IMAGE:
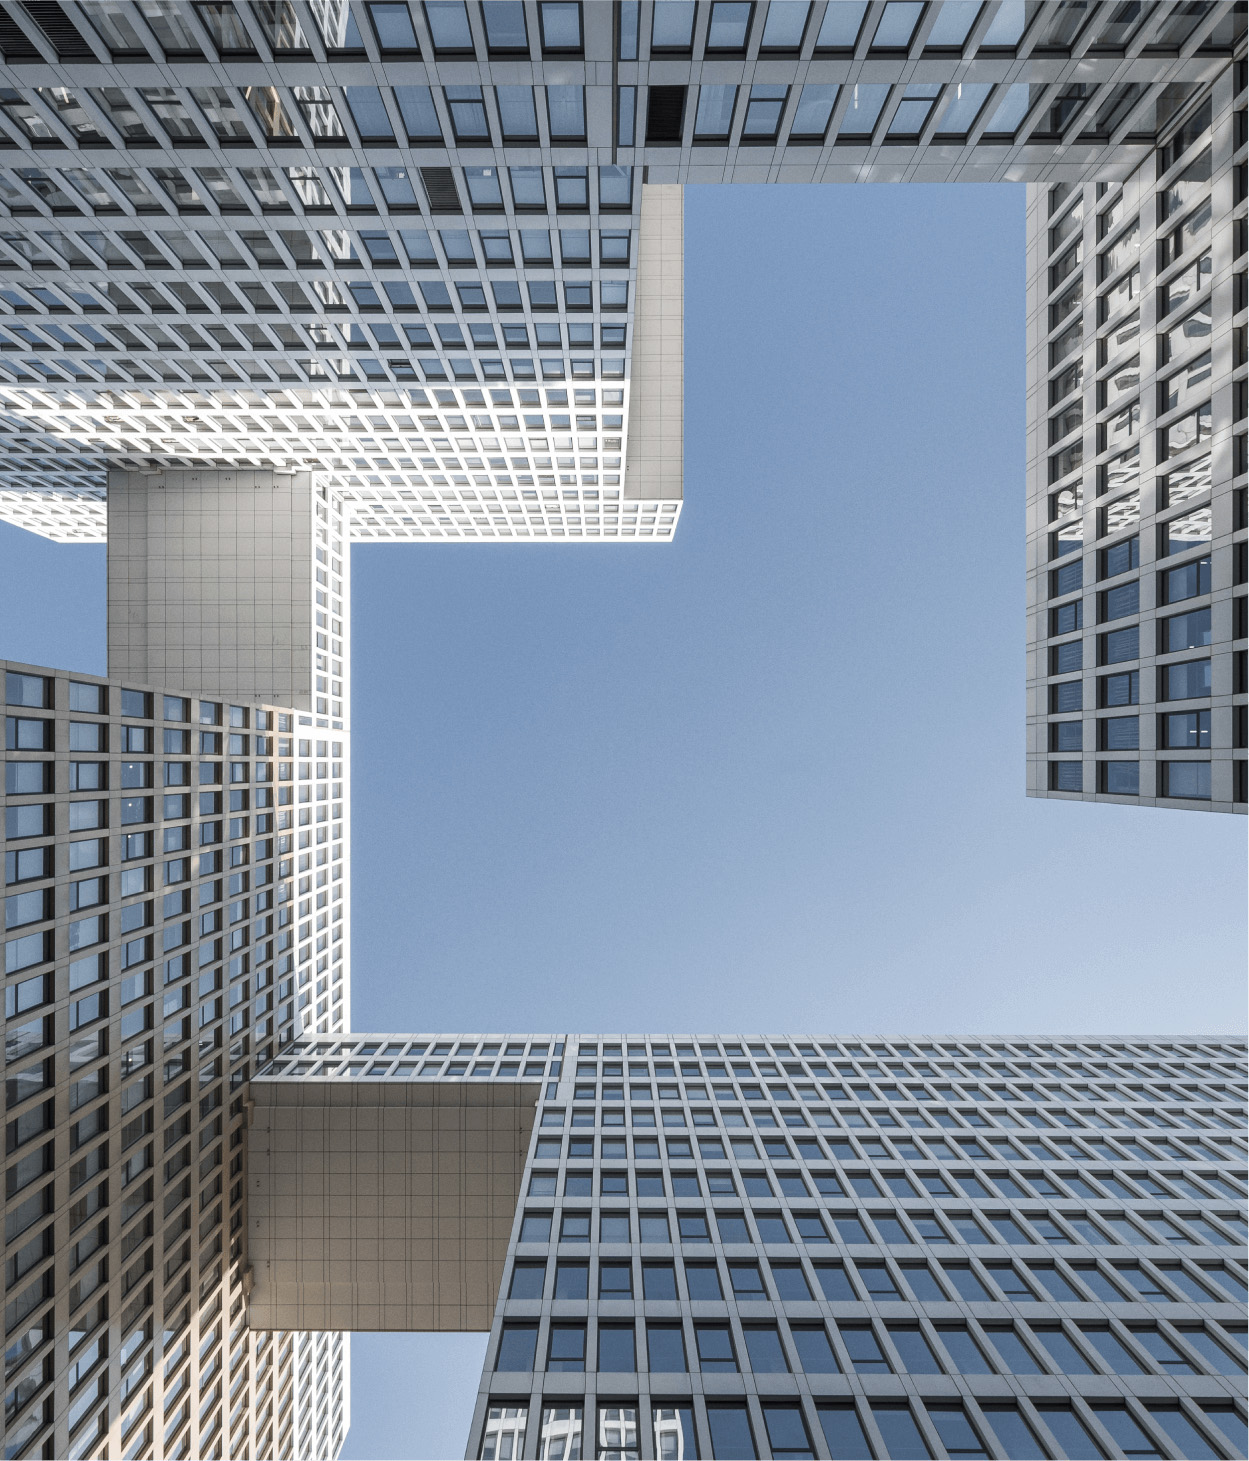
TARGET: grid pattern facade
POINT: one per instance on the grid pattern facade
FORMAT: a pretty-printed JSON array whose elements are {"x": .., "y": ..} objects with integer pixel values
[
  {"x": 404, "y": 237},
  {"x": 827, "y": 1247},
  {"x": 175, "y": 913},
  {"x": 1138, "y": 616}
]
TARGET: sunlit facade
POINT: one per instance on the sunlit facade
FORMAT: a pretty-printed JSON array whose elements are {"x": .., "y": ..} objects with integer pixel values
[{"x": 284, "y": 276}]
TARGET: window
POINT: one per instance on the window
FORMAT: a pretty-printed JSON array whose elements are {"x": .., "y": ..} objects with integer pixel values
[
  {"x": 1066, "y": 776},
  {"x": 560, "y": 25},
  {"x": 517, "y": 116},
  {"x": 1066, "y": 697},
  {"x": 672, "y": 29},
  {"x": 956, "y": 1432},
  {"x": 1067, "y": 579},
  {"x": 914, "y": 109},
  {"x": 1162, "y": 1352},
  {"x": 1186, "y": 631},
  {"x": 963, "y": 106},
  {"x": 913, "y": 1350},
  {"x": 35, "y": 692},
  {"x": 566, "y": 114},
  {"x": 772, "y": 1229},
  {"x": 1118, "y": 645},
  {"x": 1186, "y": 730},
  {"x": 616, "y": 1348},
  {"x": 392, "y": 25},
  {"x": 815, "y": 1353},
  {"x": 1066, "y": 735},
  {"x": 665, "y": 1348},
  {"x": 746, "y": 1281},
  {"x": 1120, "y": 558},
  {"x": 763, "y": 1346},
  {"x": 1119, "y": 733},
  {"x": 731, "y": 1435},
  {"x": 1189, "y": 779},
  {"x": 840, "y": 1422},
  {"x": 850, "y": 1229},
  {"x": 505, "y": 28},
  {"x": 713, "y": 120},
  {"x": 1119, "y": 778},
  {"x": 866, "y": 102},
  {"x": 1121, "y": 689},
  {"x": 528, "y": 1280},
  {"x": 1126, "y": 1433},
  {"x": 728, "y": 26},
  {"x": 653, "y": 1228},
  {"x": 613, "y": 1227},
  {"x": 448, "y": 27},
  {"x": 528, "y": 191},
  {"x": 420, "y": 119},
  {"x": 1065, "y": 659},
  {"x": 876, "y": 1279},
  {"x": 732, "y": 1227},
  {"x": 787, "y": 1432},
  {"x": 615, "y": 1280},
  {"x": 571, "y": 189},
  {"x": 1187, "y": 680},
  {"x": 1066, "y": 1357},
  {"x": 962, "y": 1348},
  {"x": 715, "y": 1348},
  {"x": 468, "y": 115},
  {"x": 659, "y": 1281},
  {"x": 1187, "y": 582},
  {"x": 1120, "y": 602},
  {"x": 535, "y": 1227},
  {"x": 763, "y": 113},
  {"x": 815, "y": 105},
  {"x": 1191, "y": 529},
  {"x": 516, "y": 1347},
  {"x": 566, "y": 1348},
  {"x": 1067, "y": 618},
  {"x": 864, "y": 1352},
  {"x": 572, "y": 1281},
  {"x": 901, "y": 1434},
  {"x": 702, "y": 1281}
]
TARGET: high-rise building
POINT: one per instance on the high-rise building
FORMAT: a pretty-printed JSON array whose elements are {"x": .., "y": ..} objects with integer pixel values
[
  {"x": 433, "y": 253},
  {"x": 284, "y": 276},
  {"x": 1137, "y": 511},
  {"x": 175, "y": 912},
  {"x": 723, "y": 1246}
]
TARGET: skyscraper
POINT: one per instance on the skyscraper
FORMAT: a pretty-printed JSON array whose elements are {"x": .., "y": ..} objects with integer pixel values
[
  {"x": 175, "y": 911},
  {"x": 280, "y": 277},
  {"x": 736, "y": 1247}
]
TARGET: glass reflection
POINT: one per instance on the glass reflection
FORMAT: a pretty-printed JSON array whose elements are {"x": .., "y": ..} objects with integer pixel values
[
  {"x": 560, "y": 1438},
  {"x": 505, "y": 1433},
  {"x": 618, "y": 1433},
  {"x": 674, "y": 1432}
]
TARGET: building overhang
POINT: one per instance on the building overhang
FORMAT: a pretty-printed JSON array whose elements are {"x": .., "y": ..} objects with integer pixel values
[{"x": 382, "y": 1205}]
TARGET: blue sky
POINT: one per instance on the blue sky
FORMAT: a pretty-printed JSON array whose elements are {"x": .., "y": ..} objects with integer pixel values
[{"x": 770, "y": 777}]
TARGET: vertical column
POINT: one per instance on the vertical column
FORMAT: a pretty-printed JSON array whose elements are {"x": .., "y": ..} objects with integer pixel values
[{"x": 656, "y": 441}]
